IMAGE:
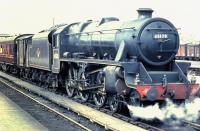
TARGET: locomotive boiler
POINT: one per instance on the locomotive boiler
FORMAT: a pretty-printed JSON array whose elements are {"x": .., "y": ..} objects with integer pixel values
[
  {"x": 110, "y": 61},
  {"x": 137, "y": 38}
]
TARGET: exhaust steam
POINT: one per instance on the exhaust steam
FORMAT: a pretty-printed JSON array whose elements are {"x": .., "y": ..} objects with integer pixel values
[{"x": 189, "y": 111}]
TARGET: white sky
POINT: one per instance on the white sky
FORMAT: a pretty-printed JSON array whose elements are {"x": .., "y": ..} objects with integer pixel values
[{"x": 31, "y": 16}]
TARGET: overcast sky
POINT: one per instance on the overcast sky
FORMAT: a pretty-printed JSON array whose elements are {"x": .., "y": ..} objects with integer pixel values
[{"x": 31, "y": 16}]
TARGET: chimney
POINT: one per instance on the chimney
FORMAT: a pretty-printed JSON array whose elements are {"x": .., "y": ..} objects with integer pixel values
[{"x": 144, "y": 13}]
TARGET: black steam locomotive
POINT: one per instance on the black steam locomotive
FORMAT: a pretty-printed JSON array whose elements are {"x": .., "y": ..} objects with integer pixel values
[{"x": 108, "y": 60}]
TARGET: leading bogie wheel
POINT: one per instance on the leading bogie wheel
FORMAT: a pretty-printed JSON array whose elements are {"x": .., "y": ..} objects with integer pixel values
[
  {"x": 99, "y": 99},
  {"x": 114, "y": 104},
  {"x": 84, "y": 96}
]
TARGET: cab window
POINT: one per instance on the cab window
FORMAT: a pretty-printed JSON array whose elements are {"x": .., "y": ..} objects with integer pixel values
[{"x": 56, "y": 40}]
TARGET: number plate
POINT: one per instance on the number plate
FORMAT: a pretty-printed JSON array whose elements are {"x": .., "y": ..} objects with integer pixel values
[{"x": 160, "y": 36}]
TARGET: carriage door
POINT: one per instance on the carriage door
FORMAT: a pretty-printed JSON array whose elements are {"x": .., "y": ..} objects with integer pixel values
[{"x": 56, "y": 62}]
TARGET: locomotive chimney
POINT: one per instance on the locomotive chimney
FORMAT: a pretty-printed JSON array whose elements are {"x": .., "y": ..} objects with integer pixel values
[{"x": 144, "y": 13}]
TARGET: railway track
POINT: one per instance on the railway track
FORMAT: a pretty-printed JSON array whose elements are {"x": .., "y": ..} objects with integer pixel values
[
  {"x": 195, "y": 126},
  {"x": 119, "y": 116},
  {"x": 76, "y": 124}
]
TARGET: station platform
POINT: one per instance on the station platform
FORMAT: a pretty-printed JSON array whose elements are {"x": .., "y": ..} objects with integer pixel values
[{"x": 14, "y": 118}]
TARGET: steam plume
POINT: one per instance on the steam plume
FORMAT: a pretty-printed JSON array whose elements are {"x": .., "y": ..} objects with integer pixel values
[{"x": 189, "y": 111}]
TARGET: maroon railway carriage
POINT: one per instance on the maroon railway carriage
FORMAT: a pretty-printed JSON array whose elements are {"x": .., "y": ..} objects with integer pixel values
[{"x": 9, "y": 50}]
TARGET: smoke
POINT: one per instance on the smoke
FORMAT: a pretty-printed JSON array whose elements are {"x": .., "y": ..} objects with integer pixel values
[{"x": 190, "y": 111}]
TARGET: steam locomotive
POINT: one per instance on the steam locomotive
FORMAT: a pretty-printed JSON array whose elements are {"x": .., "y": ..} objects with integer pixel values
[{"x": 109, "y": 61}]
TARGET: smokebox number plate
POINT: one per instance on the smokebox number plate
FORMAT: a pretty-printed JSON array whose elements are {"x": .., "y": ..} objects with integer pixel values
[{"x": 160, "y": 36}]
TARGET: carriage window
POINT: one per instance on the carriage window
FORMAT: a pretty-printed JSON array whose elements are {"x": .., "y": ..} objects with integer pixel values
[{"x": 1, "y": 49}]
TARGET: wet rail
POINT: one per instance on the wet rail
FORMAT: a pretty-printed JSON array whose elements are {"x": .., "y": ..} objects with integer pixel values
[{"x": 195, "y": 126}]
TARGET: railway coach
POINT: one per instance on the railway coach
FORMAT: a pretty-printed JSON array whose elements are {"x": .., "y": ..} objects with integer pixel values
[{"x": 13, "y": 51}]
